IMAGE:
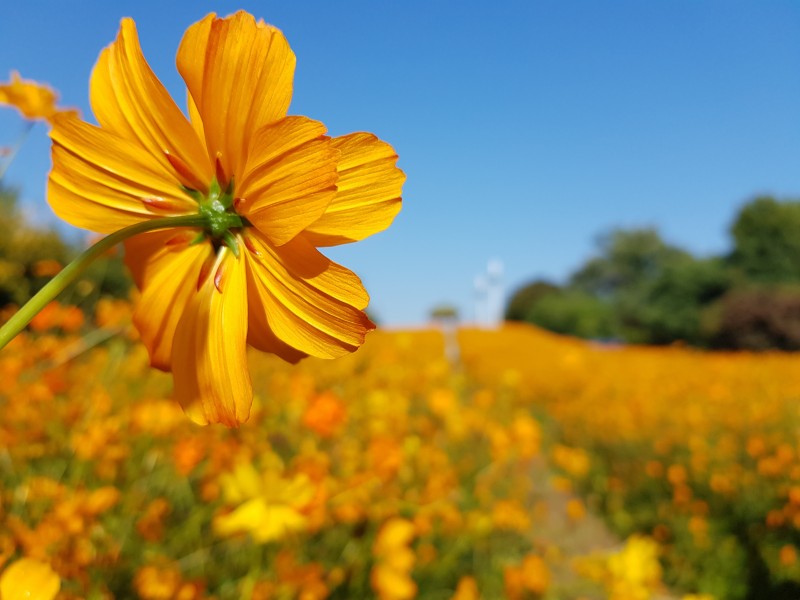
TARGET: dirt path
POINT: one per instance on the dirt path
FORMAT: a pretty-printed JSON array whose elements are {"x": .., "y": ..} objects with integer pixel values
[
  {"x": 563, "y": 539},
  {"x": 559, "y": 537}
]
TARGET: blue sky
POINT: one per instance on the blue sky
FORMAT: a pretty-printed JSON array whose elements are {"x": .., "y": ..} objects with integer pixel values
[{"x": 525, "y": 128}]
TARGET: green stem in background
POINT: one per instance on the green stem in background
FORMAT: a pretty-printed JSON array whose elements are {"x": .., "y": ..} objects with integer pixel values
[
  {"x": 15, "y": 148},
  {"x": 71, "y": 272}
]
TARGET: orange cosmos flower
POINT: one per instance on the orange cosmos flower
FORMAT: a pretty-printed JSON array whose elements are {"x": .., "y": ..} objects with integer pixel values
[
  {"x": 272, "y": 188},
  {"x": 34, "y": 100}
]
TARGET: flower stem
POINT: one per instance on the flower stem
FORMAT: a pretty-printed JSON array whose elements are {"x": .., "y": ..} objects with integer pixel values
[
  {"x": 71, "y": 272},
  {"x": 9, "y": 158}
]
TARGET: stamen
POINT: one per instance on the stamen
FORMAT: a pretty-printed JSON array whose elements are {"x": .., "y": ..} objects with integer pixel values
[
  {"x": 205, "y": 270},
  {"x": 219, "y": 276},
  {"x": 159, "y": 204},
  {"x": 185, "y": 173},
  {"x": 219, "y": 170},
  {"x": 251, "y": 246}
]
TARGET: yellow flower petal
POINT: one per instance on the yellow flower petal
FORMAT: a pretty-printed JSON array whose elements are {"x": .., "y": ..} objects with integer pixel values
[
  {"x": 240, "y": 76},
  {"x": 209, "y": 361},
  {"x": 243, "y": 483},
  {"x": 368, "y": 197},
  {"x": 279, "y": 520},
  {"x": 314, "y": 311},
  {"x": 290, "y": 178},
  {"x": 261, "y": 337},
  {"x": 33, "y": 100},
  {"x": 242, "y": 519},
  {"x": 29, "y": 579},
  {"x": 166, "y": 268},
  {"x": 103, "y": 182},
  {"x": 128, "y": 99}
]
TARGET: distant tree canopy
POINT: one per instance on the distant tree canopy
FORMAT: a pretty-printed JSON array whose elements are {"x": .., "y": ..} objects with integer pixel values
[
  {"x": 625, "y": 260},
  {"x": 30, "y": 256},
  {"x": 766, "y": 237},
  {"x": 527, "y": 296},
  {"x": 637, "y": 288}
]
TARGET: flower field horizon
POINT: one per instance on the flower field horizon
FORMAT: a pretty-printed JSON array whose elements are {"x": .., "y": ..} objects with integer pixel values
[{"x": 392, "y": 473}]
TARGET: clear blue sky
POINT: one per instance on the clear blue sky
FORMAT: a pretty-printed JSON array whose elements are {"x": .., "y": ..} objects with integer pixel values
[{"x": 525, "y": 128}]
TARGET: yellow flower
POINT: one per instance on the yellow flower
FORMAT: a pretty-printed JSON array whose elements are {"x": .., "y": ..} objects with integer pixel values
[
  {"x": 29, "y": 579},
  {"x": 272, "y": 187},
  {"x": 33, "y": 100},
  {"x": 390, "y": 576},
  {"x": 467, "y": 589},
  {"x": 269, "y": 506}
]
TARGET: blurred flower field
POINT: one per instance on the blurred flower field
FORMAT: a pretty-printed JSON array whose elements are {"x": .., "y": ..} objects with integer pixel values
[{"x": 393, "y": 474}]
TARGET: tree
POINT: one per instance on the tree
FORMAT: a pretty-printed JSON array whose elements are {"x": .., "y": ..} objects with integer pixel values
[
  {"x": 573, "y": 312},
  {"x": 766, "y": 236},
  {"x": 625, "y": 260},
  {"x": 524, "y": 298},
  {"x": 673, "y": 306},
  {"x": 759, "y": 319}
]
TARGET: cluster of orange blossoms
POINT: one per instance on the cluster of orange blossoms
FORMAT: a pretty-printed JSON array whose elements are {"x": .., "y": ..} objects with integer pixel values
[
  {"x": 406, "y": 478},
  {"x": 33, "y": 100},
  {"x": 697, "y": 450}
]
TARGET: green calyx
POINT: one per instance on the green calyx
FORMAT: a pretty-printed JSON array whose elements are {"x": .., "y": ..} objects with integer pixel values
[{"x": 220, "y": 217}]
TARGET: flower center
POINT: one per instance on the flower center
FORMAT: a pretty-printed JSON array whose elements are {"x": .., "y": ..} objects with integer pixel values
[{"x": 221, "y": 218}]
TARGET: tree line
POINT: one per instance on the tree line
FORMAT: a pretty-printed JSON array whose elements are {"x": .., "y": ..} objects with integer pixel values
[{"x": 637, "y": 288}]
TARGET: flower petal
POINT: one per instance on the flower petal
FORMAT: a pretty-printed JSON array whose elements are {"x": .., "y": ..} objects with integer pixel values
[
  {"x": 103, "y": 182},
  {"x": 308, "y": 302},
  {"x": 165, "y": 266},
  {"x": 34, "y": 100},
  {"x": 259, "y": 333},
  {"x": 290, "y": 178},
  {"x": 368, "y": 197},
  {"x": 240, "y": 76},
  {"x": 128, "y": 99},
  {"x": 209, "y": 358},
  {"x": 30, "y": 579}
]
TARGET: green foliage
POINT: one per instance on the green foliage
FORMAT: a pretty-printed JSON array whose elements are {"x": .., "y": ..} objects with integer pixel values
[
  {"x": 640, "y": 289},
  {"x": 575, "y": 313},
  {"x": 523, "y": 300},
  {"x": 626, "y": 260},
  {"x": 30, "y": 256},
  {"x": 22, "y": 249},
  {"x": 766, "y": 236},
  {"x": 672, "y": 306}
]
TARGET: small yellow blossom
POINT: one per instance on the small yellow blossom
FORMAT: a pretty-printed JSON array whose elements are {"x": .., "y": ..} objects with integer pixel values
[
  {"x": 270, "y": 506},
  {"x": 34, "y": 100},
  {"x": 29, "y": 579},
  {"x": 394, "y": 561}
]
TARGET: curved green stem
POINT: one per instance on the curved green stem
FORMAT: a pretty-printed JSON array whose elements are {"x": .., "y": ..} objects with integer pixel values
[{"x": 71, "y": 272}]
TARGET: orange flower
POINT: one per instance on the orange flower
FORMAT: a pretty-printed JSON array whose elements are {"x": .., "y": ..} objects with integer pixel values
[
  {"x": 270, "y": 187},
  {"x": 325, "y": 414},
  {"x": 33, "y": 100}
]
